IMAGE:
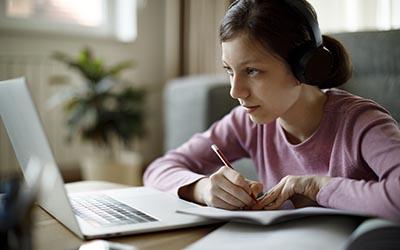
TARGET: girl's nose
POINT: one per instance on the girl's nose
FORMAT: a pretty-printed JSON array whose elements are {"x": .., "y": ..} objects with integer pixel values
[{"x": 239, "y": 90}]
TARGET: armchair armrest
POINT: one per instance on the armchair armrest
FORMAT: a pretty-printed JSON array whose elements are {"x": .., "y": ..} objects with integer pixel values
[{"x": 192, "y": 104}]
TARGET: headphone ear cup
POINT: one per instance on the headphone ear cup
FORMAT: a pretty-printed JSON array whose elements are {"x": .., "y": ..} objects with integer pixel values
[
  {"x": 318, "y": 65},
  {"x": 298, "y": 60},
  {"x": 311, "y": 65}
]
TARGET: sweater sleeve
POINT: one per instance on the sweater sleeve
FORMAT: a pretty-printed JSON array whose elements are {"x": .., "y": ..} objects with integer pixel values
[
  {"x": 195, "y": 158},
  {"x": 375, "y": 144}
]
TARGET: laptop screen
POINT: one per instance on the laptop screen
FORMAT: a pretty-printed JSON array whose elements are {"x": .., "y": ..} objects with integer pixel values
[
  {"x": 22, "y": 123},
  {"x": 29, "y": 141}
]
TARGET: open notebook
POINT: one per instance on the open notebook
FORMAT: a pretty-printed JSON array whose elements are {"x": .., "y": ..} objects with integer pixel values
[
  {"x": 264, "y": 217},
  {"x": 305, "y": 228}
]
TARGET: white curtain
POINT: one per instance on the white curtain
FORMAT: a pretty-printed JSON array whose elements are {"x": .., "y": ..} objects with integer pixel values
[
  {"x": 357, "y": 15},
  {"x": 201, "y": 49}
]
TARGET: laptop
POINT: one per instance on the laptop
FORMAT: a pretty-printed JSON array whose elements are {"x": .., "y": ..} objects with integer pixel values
[{"x": 89, "y": 215}]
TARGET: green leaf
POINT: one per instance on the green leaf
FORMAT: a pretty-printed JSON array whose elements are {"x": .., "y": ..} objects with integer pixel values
[{"x": 115, "y": 70}]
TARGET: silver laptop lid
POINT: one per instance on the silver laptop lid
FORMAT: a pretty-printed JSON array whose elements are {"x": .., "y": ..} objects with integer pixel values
[{"x": 28, "y": 139}]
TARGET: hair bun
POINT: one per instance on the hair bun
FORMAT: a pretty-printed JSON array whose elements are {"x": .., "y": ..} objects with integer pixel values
[{"x": 341, "y": 67}]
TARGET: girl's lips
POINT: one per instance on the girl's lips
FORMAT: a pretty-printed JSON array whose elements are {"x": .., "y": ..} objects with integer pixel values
[{"x": 250, "y": 109}]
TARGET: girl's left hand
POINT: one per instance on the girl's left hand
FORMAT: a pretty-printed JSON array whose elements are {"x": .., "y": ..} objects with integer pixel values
[{"x": 289, "y": 186}]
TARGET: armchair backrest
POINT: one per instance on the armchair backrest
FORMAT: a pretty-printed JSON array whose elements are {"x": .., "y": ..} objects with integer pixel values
[{"x": 376, "y": 65}]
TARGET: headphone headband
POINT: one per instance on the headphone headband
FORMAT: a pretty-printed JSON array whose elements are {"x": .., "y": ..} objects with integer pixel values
[{"x": 310, "y": 18}]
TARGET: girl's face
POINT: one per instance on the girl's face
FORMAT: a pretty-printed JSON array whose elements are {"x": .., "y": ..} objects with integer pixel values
[{"x": 263, "y": 84}]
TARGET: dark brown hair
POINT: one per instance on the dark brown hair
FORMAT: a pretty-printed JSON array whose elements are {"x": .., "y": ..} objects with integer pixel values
[{"x": 280, "y": 29}]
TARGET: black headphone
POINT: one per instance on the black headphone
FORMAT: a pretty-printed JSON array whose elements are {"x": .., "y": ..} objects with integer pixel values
[{"x": 311, "y": 62}]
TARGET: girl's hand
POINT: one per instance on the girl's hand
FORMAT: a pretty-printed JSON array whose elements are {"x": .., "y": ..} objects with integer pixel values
[
  {"x": 228, "y": 189},
  {"x": 294, "y": 187},
  {"x": 300, "y": 201}
]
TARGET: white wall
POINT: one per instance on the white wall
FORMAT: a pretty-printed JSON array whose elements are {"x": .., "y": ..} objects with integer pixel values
[{"x": 148, "y": 51}]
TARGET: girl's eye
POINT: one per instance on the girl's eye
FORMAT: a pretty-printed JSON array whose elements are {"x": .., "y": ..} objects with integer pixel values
[
  {"x": 252, "y": 71},
  {"x": 228, "y": 71}
]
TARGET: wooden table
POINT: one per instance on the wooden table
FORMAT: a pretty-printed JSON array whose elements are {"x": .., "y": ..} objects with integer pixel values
[{"x": 48, "y": 233}]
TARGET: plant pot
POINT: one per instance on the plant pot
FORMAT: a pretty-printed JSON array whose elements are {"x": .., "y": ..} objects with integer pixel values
[{"x": 127, "y": 168}]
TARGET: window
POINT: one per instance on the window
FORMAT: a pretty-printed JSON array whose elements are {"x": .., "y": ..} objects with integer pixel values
[{"x": 101, "y": 18}]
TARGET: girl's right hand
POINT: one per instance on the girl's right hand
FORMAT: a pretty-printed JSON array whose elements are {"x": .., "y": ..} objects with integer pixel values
[{"x": 227, "y": 189}]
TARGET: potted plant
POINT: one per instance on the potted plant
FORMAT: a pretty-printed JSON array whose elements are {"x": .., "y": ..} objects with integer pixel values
[{"x": 107, "y": 112}]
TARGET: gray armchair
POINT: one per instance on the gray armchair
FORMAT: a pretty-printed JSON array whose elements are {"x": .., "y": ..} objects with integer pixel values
[{"x": 192, "y": 104}]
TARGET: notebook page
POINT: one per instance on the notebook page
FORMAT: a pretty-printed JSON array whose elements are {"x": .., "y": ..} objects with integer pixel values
[{"x": 322, "y": 232}]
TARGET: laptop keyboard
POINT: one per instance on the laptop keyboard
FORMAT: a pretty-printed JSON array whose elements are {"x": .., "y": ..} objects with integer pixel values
[{"x": 101, "y": 210}]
